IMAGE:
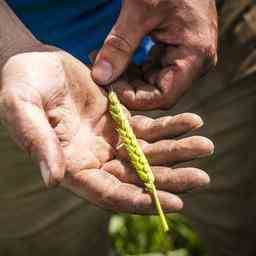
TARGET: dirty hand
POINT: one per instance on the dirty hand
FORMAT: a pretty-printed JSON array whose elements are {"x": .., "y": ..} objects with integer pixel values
[
  {"x": 53, "y": 109},
  {"x": 185, "y": 32}
]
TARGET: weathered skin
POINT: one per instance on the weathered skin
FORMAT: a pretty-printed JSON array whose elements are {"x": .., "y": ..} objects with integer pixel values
[
  {"x": 186, "y": 36},
  {"x": 54, "y": 111}
]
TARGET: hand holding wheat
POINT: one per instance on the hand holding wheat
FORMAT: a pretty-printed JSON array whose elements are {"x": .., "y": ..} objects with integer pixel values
[{"x": 75, "y": 111}]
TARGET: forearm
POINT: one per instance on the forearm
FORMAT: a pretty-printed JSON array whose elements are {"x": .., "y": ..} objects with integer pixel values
[{"x": 14, "y": 36}]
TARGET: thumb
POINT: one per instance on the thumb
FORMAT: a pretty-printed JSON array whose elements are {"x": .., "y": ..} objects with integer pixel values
[
  {"x": 119, "y": 46},
  {"x": 30, "y": 129}
]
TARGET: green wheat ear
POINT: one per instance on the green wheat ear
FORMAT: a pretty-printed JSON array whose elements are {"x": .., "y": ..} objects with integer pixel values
[{"x": 136, "y": 155}]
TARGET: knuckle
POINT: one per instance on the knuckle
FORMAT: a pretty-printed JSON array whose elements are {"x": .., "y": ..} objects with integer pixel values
[{"x": 118, "y": 43}]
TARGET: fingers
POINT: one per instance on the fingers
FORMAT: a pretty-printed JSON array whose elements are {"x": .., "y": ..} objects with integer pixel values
[
  {"x": 164, "y": 127},
  {"x": 121, "y": 43},
  {"x": 165, "y": 83},
  {"x": 29, "y": 127},
  {"x": 167, "y": 179},
  {"x": 169, "y": 152},
  {"x": 138, "y": 94},
  {"x": 106, "y": 191}
]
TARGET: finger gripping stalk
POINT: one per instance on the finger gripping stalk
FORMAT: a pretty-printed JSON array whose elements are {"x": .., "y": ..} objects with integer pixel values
[{"x": 136, "y": 155}]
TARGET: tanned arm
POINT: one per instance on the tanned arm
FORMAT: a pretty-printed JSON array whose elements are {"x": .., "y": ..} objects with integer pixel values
[{"x": 15, "y": 38}]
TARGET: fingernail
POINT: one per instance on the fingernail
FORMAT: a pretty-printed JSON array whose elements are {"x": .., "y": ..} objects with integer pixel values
[
  {"x": 177, "y": 203},
  {"x": 204, "y": 178},
  {"x": 45, "y": 172},
  {"x": 102, "y": 71}
]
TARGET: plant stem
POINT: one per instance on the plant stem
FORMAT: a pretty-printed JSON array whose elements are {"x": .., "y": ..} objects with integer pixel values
[{"x": 159, "y": 209}]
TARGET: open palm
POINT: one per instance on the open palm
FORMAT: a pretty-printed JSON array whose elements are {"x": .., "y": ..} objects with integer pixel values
[{"x": 60, "y": 114}]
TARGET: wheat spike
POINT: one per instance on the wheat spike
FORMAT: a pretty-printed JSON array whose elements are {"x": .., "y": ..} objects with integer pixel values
[{"x": 136, "y": 155}]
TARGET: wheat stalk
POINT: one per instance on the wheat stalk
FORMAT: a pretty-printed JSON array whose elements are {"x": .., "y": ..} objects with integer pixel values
[{"x": 136, "y": 155}]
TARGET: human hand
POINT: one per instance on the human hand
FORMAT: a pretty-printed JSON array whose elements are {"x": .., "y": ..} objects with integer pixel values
[
  {"x": 54, "y": 110},
  {"x": 185, "y": 32}
]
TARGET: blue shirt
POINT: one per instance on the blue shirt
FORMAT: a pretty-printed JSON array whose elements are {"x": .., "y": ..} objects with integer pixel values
[{"x": 78, "y": 26}]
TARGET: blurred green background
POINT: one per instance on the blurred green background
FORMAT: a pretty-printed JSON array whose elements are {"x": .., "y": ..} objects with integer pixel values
[{"x": 143, "y": 236}]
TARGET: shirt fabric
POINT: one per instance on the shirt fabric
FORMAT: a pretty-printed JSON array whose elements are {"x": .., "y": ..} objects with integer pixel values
[{"x": 78, "y": 26}]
